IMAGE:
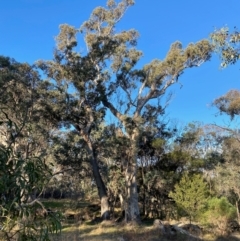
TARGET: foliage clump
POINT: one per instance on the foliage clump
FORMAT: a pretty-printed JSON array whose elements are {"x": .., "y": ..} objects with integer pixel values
[
  {"x": 190, "y": 194},
  {"x": 218, "y": 213},
  {"x": 20, "y": 218}
]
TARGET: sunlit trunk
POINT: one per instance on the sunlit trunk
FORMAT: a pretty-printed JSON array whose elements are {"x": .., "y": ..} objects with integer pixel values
[
  {"x": 132, "y": 209},
  {"x": 132, "y": 213}
]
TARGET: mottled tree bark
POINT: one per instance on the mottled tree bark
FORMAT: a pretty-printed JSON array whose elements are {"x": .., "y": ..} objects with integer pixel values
[{"x": 132, "y": 213}]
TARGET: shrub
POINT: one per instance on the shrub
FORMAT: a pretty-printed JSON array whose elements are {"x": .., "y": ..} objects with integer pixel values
[
  {"x": 218, "y": 213},
  {"x": 20, "y": 177},
  {"x": 190, "y": 194}
]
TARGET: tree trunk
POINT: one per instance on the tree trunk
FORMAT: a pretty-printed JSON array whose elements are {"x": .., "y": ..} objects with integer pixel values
[
  {"x": 132, "y": 209},
  {"x": 144, "y": 207},
  {"x": 102, "y": 192},
  {"x": 238, "y": 215},
  {"x": 132, "y": 213}
]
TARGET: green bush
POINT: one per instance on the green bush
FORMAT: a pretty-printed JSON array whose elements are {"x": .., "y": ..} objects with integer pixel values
[
  {"x": 190, "y": 195},
  {"x": 218, "y": 212}
]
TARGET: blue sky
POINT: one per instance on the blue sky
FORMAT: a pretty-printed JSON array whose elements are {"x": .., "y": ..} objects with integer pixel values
[{"x": 28, "y": 27}]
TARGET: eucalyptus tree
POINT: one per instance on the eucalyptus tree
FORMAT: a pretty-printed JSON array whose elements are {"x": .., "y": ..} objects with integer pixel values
[
  {"x": 20, "y": 102},
  {"x": 136, "y": 88},
  {"x": 23, "y": 143},
  {"x": 73, "y": 102},
  {"x": 227, "y": 172},
  {"x": 107, "y": 76}
]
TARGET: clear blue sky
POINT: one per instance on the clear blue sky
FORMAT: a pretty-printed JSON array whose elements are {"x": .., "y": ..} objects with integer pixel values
[{"x": 28, "y": 27}]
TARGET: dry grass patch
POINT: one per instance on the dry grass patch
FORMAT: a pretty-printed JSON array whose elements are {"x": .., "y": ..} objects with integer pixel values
[
  {"x": 76, "y": 226},
  {"x": 110, "y": 231}
]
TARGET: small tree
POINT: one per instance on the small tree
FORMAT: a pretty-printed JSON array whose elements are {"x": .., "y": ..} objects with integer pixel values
[{"x": 190, "y": 194}]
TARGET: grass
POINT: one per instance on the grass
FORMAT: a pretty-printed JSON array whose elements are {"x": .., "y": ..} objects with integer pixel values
[
  {"x": 75, "y": 229},
  {"x": 118, "y": 232},
  {"x": 106, "y": 231}
]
